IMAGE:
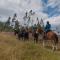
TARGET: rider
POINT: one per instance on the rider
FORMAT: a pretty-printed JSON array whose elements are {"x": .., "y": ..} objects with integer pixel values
[{"x": 48, "y": 27}]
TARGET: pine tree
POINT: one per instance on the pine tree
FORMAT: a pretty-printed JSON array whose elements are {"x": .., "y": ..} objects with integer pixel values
[
  {"x": 42, "y": 23},
  {"x": 14, "y": 17},
  {"x": 7, "y": 26},
  {"x": 8, "y": 21},
  {"x": 27, "y": 18},
  {"x": 13, "y": 20},
  {"x": 16, "y": 24},
  {"x": 26, "y": 14},
  {"x": 38, "y": 24}
]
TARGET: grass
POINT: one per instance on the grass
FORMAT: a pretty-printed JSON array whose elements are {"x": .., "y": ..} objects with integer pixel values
[{"x": 13, "y": 49}]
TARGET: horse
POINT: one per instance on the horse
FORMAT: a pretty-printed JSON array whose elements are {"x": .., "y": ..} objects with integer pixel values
[
  {"x": 20, "y": 35},
  {"x": 16, "y": 31},
  {"x": 24, "y": 34},
  {"x": 35, "y": 35},
  {"x": 50, "y": 35}
]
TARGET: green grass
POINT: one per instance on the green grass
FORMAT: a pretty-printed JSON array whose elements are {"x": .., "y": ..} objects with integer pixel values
[{"x": 13, "y": 49}]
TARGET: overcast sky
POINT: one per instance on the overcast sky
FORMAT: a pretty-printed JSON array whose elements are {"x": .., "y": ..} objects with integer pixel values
[{"x": 46, "y": 9}]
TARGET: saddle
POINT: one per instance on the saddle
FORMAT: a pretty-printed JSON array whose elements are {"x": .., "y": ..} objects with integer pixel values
[{"x": 45, "y": 33}]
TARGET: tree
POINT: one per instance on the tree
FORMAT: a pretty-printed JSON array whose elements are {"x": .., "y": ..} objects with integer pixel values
[
  {"x": 13, "y": 20},
  {"x": 14, "y": 17},
  {"x": 28, "y": 18},
  {"x": 16, "y": 24},
  {"x": 26, "y": 14},
  {"x": 38, "y": 24},
  {"x": 1, "y": 26},
  {"x": 42, "y": 23},
  {"x": 7, "y": 24},
  {"x": 31, "y": 12},
  {"x": 28, "y": 21},
  {"x": 8, "y": 21}
]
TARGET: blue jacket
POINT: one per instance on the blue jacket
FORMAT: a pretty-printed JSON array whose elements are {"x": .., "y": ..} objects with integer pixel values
[{"x": 48, "y": 27}]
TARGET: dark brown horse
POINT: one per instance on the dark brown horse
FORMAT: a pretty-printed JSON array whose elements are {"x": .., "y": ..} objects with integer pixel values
[
  {"x": 24, "y": 34},
  {"x": 35, "y": 35},
  {"x": 49, "y": 36}
]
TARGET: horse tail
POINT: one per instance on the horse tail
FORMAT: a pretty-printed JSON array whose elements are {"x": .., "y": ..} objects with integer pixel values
[{"x": 56, "y": 39}]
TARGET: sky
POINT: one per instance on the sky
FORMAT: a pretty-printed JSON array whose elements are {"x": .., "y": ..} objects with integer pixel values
[{"x": 48, "y": 10}]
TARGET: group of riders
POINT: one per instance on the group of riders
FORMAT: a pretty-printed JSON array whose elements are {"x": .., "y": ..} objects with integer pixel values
[
  {"x": 46, "y": 33},
  {"x": 24, "y": 31}
]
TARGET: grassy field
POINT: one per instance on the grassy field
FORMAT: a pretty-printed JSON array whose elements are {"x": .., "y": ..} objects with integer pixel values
[{"x": 13, "y": 49}]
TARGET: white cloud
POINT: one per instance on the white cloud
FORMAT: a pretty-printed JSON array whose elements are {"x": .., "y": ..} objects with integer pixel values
[
  {"x": 9, "y": 7},
  {"x": 54, "y": 3},
  {"x": 53, "y": 20}
]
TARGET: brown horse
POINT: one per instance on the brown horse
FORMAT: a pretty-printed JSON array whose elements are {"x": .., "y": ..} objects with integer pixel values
[{"x": 49, "y": 36}]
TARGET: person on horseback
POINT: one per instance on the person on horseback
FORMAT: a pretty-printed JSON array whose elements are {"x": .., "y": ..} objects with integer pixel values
[{"x": 48, "y": 27}]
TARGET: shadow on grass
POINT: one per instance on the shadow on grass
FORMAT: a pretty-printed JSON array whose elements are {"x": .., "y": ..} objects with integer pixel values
[
  {"x": 48, "y": 47},
  {"x": 58, "y": 49}
]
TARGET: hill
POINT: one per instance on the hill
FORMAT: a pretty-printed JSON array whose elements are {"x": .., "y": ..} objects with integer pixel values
[{"x": 13, "y": 49}]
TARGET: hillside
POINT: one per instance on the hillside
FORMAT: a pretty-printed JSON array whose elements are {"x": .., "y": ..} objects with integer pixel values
[{"x": 13, "y": 49}]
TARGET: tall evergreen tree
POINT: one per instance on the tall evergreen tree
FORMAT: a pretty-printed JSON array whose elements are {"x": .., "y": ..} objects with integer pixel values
[
  {"x": 14, "y": 17},
  {"x": 2, "y": 26},
  {"x": 7, "y": 26},
  {"x": 8, "y": 21},
  {"x": 42, "y": 23},
  {"x": 26, "y": 14},
  {"x": 28, "y": 17},
  {"x": 38, "y": 24},
  {"x": 16, "y": 24},
  {"x": 13, "y": 20}
]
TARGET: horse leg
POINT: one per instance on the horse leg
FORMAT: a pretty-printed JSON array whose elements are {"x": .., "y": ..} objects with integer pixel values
[
  {"x": 54, "y": 46},
  {"x": 56, "y": 43},
  {"x": 22, "y": 38},
  {"x": 36, "y": 40},
  {"x": 43, "y": 43},
  {"x": 19, "y": 36}
]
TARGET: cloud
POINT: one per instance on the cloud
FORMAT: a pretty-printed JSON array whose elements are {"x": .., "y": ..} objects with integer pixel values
[
  {"x": 54, "y": 20},
  {"x": 54, "y": 4},
  {"x": 52, "y": 7},
  {"x": 9, "y": 7}
]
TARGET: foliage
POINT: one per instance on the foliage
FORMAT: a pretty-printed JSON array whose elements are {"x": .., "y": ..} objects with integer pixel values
[
  {"x": 2, "y": 26},
  {"x": 16, "y": 24},
  {"x": 8, "y": 21},
  {"x": 14, "y": 17},
  {"x": 7, "y": 26}
]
